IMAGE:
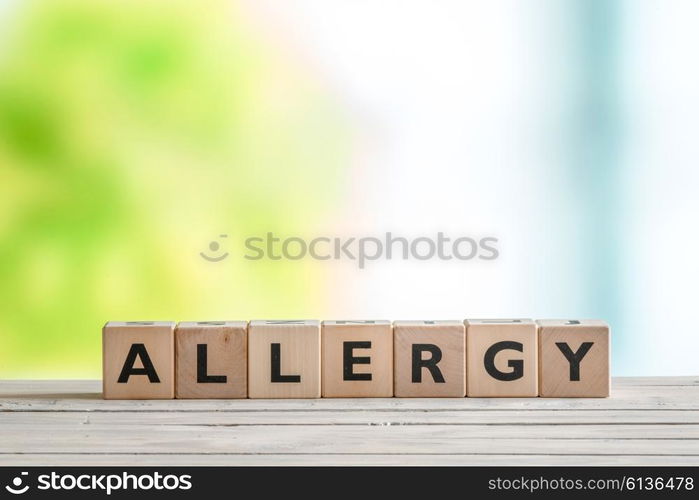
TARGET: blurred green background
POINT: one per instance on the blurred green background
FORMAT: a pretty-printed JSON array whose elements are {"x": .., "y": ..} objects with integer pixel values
[{"x": 132, "y": 134}]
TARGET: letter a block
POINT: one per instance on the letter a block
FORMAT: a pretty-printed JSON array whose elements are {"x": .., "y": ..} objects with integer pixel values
[
  {"x": 501, "y": 358},
  {"x": 573, "y": 358},
  {"x": 212, "y": 360},
  {"x": 357, "y": 359},
  {"x": 430, "y": 359},
  {"x": 138, "y": 360},
  {"x": 284, "y": 359}
]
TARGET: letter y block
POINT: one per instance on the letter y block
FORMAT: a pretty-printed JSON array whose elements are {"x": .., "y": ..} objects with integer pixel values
[{"x": 573, "y": 358}]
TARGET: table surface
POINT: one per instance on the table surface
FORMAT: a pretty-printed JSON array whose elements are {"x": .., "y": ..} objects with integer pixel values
[{"x": 646, "y": 421}]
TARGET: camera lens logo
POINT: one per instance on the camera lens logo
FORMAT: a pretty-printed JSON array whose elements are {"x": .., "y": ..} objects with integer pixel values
[
  {"x": 16, "y": 487},
  {"x": 215, "y": 246}
]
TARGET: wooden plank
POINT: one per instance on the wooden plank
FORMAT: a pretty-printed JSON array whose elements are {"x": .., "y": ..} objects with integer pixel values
[
  {"x": 654, "y": 381},
  {"x": 10, "y": 388},
  {"x": 632, "y": 399},
  {"x": 27, "y": 433},
  {"x": 646, "y": 421},
  {"x": 230, "y": 418},
  {"x": 304, "y": 439},
  {"x": 180, "y": 459},
  {"x": 85, "y": 396}
]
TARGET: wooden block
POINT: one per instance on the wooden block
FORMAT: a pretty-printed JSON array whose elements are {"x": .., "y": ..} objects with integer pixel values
[
  {"x": 573, "y": 358},
  {"x": 138, "y": 360},
  {"x": 357, "y": 359},
  {"x": 429, "y": 359},
  {"x": 284, "y": 359},
  {"x": 212, "y": 360},
  {"x": 501, "y": 358}
]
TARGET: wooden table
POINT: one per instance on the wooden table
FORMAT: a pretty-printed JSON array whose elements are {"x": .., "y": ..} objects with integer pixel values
[{"x": 653, "y": 421}]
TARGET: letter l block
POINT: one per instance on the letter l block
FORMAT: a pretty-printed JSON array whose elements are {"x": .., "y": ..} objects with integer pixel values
[
  {"x": 212, "y": 360},
  {"x": 284, "y": 359}
]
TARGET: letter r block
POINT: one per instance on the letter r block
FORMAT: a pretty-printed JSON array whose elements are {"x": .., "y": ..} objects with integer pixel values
[
  {"x": 573, "y": 358},
  {"x": 284, "y": 359},
  {"x": 212, "y": 360},
  {"x": 501, "y": 358},
  {"x": 429, "y": 359},
  {"x": 357, "y": 359},
  {"x": 138, "y": 360}
]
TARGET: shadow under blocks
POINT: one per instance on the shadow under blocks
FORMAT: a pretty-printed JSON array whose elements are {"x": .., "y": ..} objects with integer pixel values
[{"x": 307, "y": 359}]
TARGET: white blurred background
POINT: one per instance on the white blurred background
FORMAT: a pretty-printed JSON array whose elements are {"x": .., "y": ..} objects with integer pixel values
[{"x": 567, "y": 129}]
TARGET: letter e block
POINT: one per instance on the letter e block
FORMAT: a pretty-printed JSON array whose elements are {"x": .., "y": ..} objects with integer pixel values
[
  {"x": 429, "y": 359},
  {"x": 357, "y": 359},
  {"x": 138, "y": 360},
  {"x": 501, "y": 358},
  {"x": 212, "y": 360},
  {"x": 284, "y": 359},
  {"x": 573, "y": 358}
]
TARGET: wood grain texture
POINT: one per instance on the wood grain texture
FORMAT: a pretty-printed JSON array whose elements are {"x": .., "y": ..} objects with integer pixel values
[
  {"x": 226, "y": 355},
  {"x": 590, "y": 378},
  {"x": 374, "y": 362},
  {"x": 646, "y": 421},
  {"x": 450, "y": 338},
  {"x": 338, "y": 459},
  {"x": 299, "y": 355},
  {"x": 481, "y": 336},
  {"x": 156, "y": 339}
]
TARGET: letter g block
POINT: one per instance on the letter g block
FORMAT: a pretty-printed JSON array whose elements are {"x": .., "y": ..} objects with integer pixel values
[{"x": 501, "y": 358}]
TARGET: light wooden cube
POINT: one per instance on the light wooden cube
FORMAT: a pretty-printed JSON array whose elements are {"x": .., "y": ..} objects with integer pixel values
[
  {"x": 429, "y": 359},
  {"x": 284, "y": 359},
  {"x": 212, "y": 360},
  {"x": 357, "y": 359},
  {"x": 138, "y": 360},
  {"x": 573, "y": 358},
  {"x": 501, "y": 358}
]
